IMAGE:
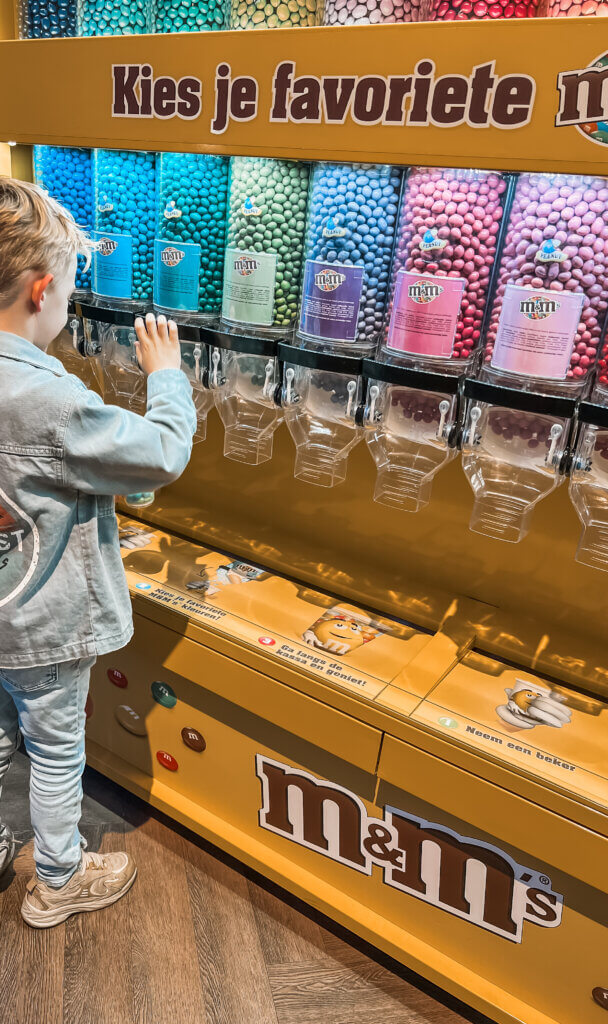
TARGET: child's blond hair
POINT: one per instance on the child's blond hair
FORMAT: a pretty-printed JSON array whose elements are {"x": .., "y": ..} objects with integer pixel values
[{"x": 36, "y": 233}]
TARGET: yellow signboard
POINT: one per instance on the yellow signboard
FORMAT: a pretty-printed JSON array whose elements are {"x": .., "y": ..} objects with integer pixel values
[{"x": 514, "y": 95}]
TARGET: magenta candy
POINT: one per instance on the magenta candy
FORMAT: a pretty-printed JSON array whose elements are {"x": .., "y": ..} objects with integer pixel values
[
  {"x": 551, "y": 208},
  {"x": 465, "y": 248},
  {"x": 371, "y": 12}
]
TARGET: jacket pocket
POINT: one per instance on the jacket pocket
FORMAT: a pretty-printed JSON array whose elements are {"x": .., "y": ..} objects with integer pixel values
[{"x": 27, "y": 679}]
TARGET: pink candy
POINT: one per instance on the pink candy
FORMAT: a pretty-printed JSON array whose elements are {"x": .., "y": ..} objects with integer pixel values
[
  {"x": 463, "y": 209},
  {"x": 556, "y": 208}
]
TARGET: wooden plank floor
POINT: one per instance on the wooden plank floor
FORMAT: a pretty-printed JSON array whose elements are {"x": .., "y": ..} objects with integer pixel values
[{"x": 198, "y": 940}]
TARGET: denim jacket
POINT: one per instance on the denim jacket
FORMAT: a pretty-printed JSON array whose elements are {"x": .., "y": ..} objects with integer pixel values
[{"x": 63, "y": 457}]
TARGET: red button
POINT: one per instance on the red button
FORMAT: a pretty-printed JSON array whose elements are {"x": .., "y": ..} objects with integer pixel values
[
  {"x": 167, "y": 760},
  {"x": 267, "y": 641},
  {"x": 88, "y": 708},
  {"x": 118, "y": 678}
]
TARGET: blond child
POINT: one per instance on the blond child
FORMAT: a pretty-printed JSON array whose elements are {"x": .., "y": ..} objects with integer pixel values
[{"x": 64, "y": 601}]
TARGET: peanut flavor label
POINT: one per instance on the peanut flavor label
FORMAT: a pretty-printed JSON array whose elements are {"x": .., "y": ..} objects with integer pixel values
[
  {"x": 536, "y": 332},
  {"x": 425, "y": 314}
]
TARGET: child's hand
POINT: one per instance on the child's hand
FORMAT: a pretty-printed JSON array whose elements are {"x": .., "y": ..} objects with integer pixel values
[{"x": 157, "y": 345}]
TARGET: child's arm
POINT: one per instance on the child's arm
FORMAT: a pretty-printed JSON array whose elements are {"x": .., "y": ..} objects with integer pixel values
[{"x": 108, "y": 450}]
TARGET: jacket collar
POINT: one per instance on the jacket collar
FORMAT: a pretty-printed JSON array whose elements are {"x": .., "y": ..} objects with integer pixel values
[{"x": 22, "y": 351}]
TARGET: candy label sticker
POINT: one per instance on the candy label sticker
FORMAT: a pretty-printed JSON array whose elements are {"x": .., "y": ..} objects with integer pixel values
[
  {"x": 333, "y": 230},
  {"x": 431, "y": 242},
  {"x": 249, "y": 281},
  {"x": 536, "y": 332},
  {"x": 425, "y": 314},
  {"x": 331, "y": 297},
  {"x": 176, "y": 275},
  {"x": 112, "y": 271},
  {"x": 19, "y": 549},
  {"x": 249, "y": 208}
]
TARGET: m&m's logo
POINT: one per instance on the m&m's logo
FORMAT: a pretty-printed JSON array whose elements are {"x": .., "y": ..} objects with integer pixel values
[
  {"x": 538, "y": 308},
  {"x": 246, "y": 265},
  {"x": 249, "y": 209},
  {"x": 171, "y": 212},
  {"x": 106, "y": 246},
  {"x": 424, "y": 291},
  {"x": 583, "y": 100},
  {"x": 170, "y": 256},
  {"x": 431, "y": 242},
  {"x": 328, "y": 280},
  {"x": 333, "y": 230},
  {"x": 549, "y": 252}
]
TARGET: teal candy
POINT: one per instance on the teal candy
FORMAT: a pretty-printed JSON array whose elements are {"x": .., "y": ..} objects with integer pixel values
[
  {"x": 126, "y": 181},
  {"x": 66, "y": 174},
  {"x": 115, "y": 17},
  {"x": 279, "y": 188},
  {"x": 198, "y": 16},
  {"x": 197, "y": 186}
]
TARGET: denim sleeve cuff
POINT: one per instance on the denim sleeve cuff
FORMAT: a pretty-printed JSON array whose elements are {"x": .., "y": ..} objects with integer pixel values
[{"x": 162, "y": 381}]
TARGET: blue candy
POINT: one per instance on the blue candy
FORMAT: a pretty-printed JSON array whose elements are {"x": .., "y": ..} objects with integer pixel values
[
  {"x": 125, "y": 204},
  {"x": 361, "y": 200},
  {"x": 192, "y": 202},
  {"x": 41, "y": 19},
  {"x": 66, "y": 174}
]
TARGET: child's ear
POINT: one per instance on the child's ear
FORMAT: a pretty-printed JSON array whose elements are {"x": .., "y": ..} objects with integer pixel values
[{"x": 38, "y": 289}]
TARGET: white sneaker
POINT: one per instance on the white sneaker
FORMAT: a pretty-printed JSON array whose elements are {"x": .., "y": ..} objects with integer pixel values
[
  {"x": 7, "y": 847},
  {"x": 101, "y": 880}
]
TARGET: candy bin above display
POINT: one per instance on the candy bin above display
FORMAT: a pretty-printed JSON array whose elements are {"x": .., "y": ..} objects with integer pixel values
[
  {"x": 125, "y": 199},
  {"x": 275, "y": 14},
  {"x": 542, "y": 341},
  {"x": 115, "y": 17},
  {"x": 182, "y": 16},
  {"x": 263, "y": 264},
  {"x": 576, "y": 8},
  {"x": 447, "y": 237},
  {"x": 370, "y": 12},
  {"x": 190, "y": 240},
  {"x": 465, "y": 10},
  {"x": 552, "y": 287},
  {"x": 350, "y": 233},
  {"x": 66, "y": 174},
  {"x": 45, "y": 19}
]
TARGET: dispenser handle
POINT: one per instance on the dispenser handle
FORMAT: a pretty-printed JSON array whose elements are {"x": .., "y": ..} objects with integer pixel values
[
  {"x": 372, "y": 415},
  {"x": 553, "y": 456},
  {"x": 444, "y": 408},
  {"x": 74, "y": 329},
  {"x": 198, "y": 353},
  {"x": 215, "y": 364},
  {"x": 470, "y": 437},
  {"x": 351, "y": 389},
  {"x": 267, "y": 389},
  {"x": 290, "y": 396}
]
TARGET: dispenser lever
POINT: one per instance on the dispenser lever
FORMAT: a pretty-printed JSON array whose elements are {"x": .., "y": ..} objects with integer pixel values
[
  {"x": 74, "y": 330},
  {"x": 351, "y": 389},
  {"x": 444, "y": 408},
  {"x": 215, "y": 364},
  {"x": 372, "y": 415},
  {"x": 198, "y": 352},
  {"x": 553, "y": 457},
  {"x": 290, "y": 396},
  {"x": 269, "y": 371},
  {"x": 471, "y": 437}
]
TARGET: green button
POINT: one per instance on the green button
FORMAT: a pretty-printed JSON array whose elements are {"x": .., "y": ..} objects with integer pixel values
[{"x": 164, "y": 694}]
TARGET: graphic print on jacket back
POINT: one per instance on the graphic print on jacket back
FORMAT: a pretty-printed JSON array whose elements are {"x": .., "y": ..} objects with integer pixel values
[{"x": 19, "y": 549}]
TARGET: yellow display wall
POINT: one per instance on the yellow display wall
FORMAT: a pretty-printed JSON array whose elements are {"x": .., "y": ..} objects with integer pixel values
[{"x": 403, "y": 742}]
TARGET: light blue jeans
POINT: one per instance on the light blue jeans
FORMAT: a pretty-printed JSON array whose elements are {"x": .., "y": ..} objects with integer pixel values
[{"x": 47, "y": 706}]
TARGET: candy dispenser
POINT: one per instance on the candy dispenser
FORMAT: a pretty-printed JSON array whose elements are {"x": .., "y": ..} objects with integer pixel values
[
  {"x": 190, "y": 239},
  {"x": 115, "y": 17},
  {"x": 195, "y": 364},
  {"x": 349, "y": 240},
  {"x": 540, "y": 347},
  {"x": 370, "y": 12},
  {"x": 589, "y": 480},
  {"x": 179, "y": 16},
  {"x": 476, "y": 10},
  {"x": 410, "y": 422},
  {"x": 45, "y": 19},
  {"x": 263, "y": 264},
  {"x": 576, "y": 8},
  {"x": 448, "y": 233},
  {"x": 262, "y": 14},
  {"x": 66, "y": 174},
  {"x": 124, "y": 219}
]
